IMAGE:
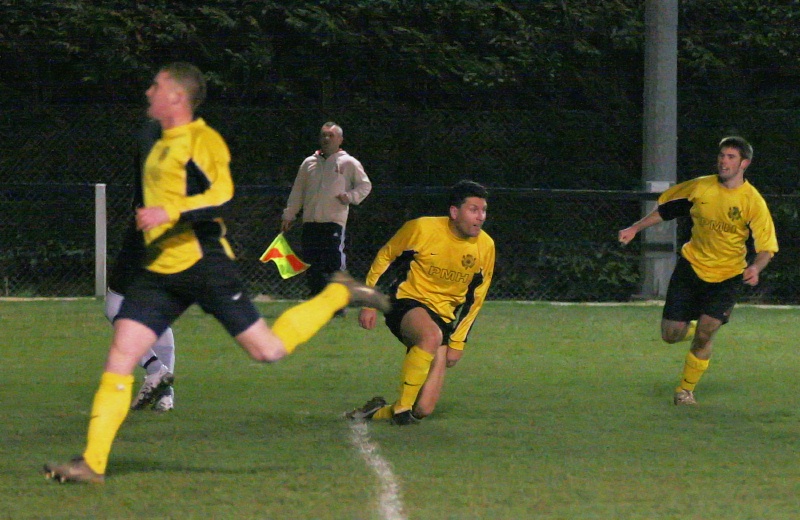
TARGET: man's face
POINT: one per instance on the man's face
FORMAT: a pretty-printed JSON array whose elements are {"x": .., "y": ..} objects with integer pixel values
[
  {"x": 329, "y": 141},
  {"x": 468, "y": 218},
  {"x": 730, "y": 164},
  {"x": 162, "y": 94}
]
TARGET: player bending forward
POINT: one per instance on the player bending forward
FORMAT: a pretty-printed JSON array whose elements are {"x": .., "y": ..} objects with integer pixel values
[{"x": 444, "y": 267}]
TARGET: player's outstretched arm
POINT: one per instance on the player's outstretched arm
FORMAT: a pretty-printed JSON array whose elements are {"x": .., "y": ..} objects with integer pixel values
[{"x": 628, "y": 234}]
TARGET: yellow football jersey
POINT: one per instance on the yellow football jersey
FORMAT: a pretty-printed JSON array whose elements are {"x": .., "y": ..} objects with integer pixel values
[
  {"x": 449, "y": 274},
  {"x": 722, "y": 221},
  {"x": 187, "y": 173}
]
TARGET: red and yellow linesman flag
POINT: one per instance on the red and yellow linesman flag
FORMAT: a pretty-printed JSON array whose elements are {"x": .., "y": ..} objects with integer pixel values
[{"x": 279, "y": 252}]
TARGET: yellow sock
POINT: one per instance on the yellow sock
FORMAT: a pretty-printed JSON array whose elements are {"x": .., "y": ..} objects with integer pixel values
[
  {"x": 383, "y": 413},
  {"x": 415, "y": 370},
  {"x": 693, "y": 369},
  {"x": 690, "y": 331},
  {"x": 109, "y": 409},
  {"x": 299, "y": 323}
]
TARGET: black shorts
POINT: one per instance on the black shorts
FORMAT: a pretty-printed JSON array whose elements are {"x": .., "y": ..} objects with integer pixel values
[
  {"x": 688, "y": 296},
  {"x": 323, "y": 248},
  {"x": 128, "y": 262},
  {"x": 156, "y": 300},
  {"x": 402, "y": 306}
]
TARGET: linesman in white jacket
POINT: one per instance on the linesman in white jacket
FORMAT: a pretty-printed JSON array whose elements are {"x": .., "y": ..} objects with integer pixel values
[{"x": 327, "y": 183}]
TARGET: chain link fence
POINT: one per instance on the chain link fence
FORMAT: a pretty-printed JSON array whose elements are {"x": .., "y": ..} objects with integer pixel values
[
  {"x": 555, "y": 221},
  {"x": 552, "y": 245},
  {"x": 539, "y": 256}
]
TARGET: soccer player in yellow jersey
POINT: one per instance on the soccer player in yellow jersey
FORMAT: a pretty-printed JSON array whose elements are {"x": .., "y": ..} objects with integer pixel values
[
  {"x": 187, "y": 184},
  {"x": 725, "y": 210},
  {"x": 444, "y": 267}
]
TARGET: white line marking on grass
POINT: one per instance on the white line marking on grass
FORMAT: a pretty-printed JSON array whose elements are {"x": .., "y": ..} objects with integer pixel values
[{"x": 389, "y": 502}]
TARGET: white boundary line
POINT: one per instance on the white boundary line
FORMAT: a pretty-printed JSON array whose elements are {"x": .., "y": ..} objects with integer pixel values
[{"x": 390, "y": 503}]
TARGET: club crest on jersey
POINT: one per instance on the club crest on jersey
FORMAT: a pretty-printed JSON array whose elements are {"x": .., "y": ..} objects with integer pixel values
[
  {"x": 164, "y": 154},
  {"x": 467, "y": 261},
  {"x": 735, "y": 213}
]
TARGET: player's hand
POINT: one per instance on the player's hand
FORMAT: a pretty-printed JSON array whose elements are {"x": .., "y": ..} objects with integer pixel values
[
  {"x": 367, "y": 318},
  {"x": 343, "y": 198},
  {"x": 151, "y": 217},
  {"x": 750, "y": 275},
  {"x": 286, "y": 225},
  {"x": 626, "y": 235}
]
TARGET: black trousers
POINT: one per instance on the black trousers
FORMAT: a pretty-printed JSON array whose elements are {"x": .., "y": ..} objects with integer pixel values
[{"x": 323, "y": 248}]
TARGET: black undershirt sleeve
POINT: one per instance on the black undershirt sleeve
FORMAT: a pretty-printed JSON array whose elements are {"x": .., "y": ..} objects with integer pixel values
[{"x": 673, "y": 209}]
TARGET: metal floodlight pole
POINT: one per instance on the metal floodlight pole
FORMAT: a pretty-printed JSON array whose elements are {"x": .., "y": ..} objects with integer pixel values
[{"x": 659, "y": 156}]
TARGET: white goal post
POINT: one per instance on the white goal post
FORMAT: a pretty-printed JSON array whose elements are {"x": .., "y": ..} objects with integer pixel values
[{"x": 100, "y": 240}]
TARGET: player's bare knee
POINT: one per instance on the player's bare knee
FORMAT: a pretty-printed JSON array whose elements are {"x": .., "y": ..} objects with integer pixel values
[
  {"x": 430, "y": 343},
  {"x": 673, "y": 334},
  {"x": 261, "y": 344},
  {"x": 451, "y": 363},
  {"x": 422, "y": 411},
  {"x": 269, "y": 355},
  {"x": 263, "y": 352}
]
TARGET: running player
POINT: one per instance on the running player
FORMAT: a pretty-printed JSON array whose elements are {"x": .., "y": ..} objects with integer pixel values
[
  {"x": 186, "y": 186},
  {"x": 725, "y": 210}
]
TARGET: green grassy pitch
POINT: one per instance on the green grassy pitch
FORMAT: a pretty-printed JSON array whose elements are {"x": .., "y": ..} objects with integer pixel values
[{"x": 555, "y": 412}]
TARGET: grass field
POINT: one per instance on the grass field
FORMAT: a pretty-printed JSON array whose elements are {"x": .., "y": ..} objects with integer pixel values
[{"x": 555, "y": 412}]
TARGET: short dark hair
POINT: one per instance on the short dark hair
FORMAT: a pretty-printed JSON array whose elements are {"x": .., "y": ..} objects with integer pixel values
[
  {"x": 464, "y": 189},
  {"x": 740, "y": 143},
  {"x": 190, "y": 78},
  {"x": 337, "y": 128}
]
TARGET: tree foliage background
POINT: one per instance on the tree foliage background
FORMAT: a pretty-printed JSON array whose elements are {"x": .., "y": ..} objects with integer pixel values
[
  {"x": 738, "y": 68},
  {"x": 583, "y": 54}
]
